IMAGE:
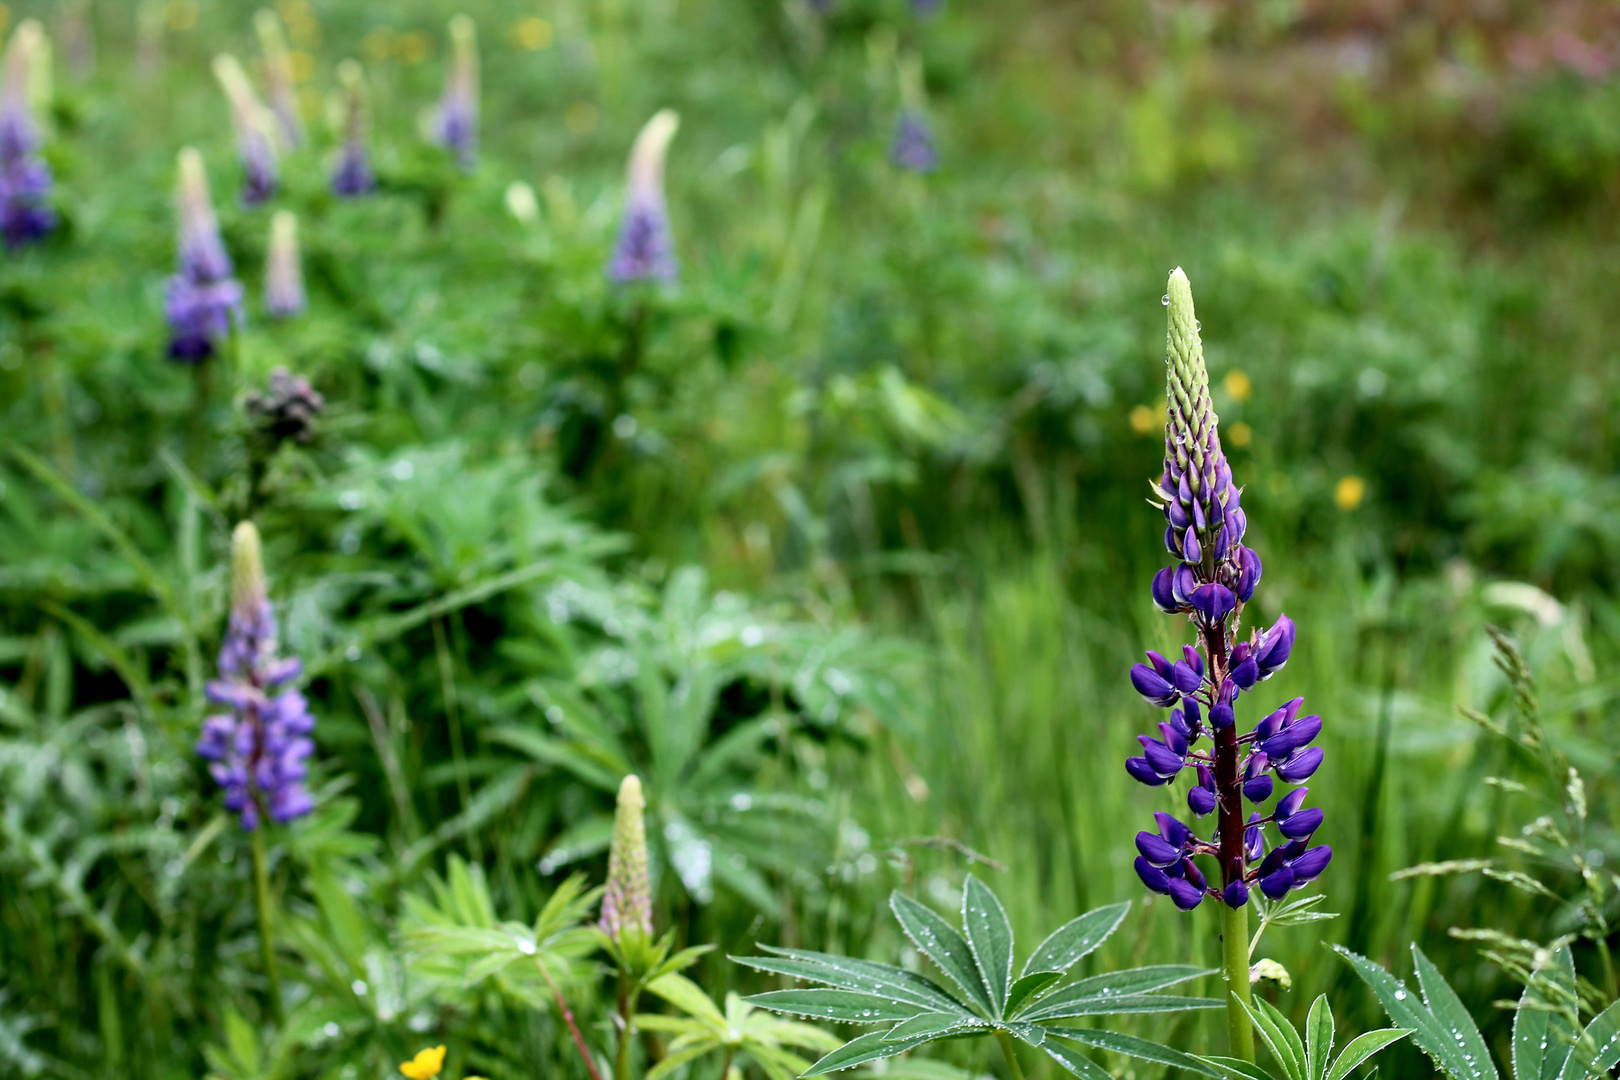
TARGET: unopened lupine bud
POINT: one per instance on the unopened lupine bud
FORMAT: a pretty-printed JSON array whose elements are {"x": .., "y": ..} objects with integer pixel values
[
  {"x": 26, "y": 214},
  {"x": 456, "y": 126},
  {"x": 627, "y": 903},
  {"x": 283, "y": 269},
  {"x": 257, "y": 750},
  {"x": 645, "y": 250},
  {"x": 280, "y": 86},
  {"x": 202, "y": 296},
  {"x": 352, "y": 176},
  {"x": 255, "y": 132}
]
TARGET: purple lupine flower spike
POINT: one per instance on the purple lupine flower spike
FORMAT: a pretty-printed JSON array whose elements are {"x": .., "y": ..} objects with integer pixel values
[
  {"x": 456, "y": 126},
  {"x": 255, "y": 132},
  {"x": 280, "y": 87},
  {"x": 202, "y": 297},
  {"x": 283, "y": 270},
  {"x": 1212, "y": 583},
  {"x": 26, "y": 214},
  {"x": 645, "y": 250},
  {"x": 913, "y": 146},
  {"x": 352, "y": 177},
  {"x": 257, "y": 749}
]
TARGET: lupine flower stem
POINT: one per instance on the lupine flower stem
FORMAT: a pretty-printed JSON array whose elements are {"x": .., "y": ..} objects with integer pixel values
[
  {"x": 626, "y": 1025},
  {"x": 568, "y": 1018},
  {"x": 1235, "y": 969},
  {"x": 267, "y": 939}
]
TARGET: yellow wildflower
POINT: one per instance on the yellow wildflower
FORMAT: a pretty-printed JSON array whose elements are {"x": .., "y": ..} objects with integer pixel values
[
  {"x": 1238, "y": 385},
  {"x": 425, "y": 1065},
  {"x": 1349, "y": 491}
]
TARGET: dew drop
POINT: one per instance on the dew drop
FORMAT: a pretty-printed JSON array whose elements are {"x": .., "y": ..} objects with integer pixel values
[
  {"x": 1165, "y": 299},
  {"x": 1400, "y": 995}
]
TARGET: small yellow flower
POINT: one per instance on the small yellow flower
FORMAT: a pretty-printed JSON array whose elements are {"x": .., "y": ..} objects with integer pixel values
[
  {"x": 1238, "y": 385},
  {"x": 1147, "y": 420},
  {"x": 1349, "y": 491},
  {"x": 533, "y": 33},
  {"x": 1239, "y": 434},
  {"x": 425, "y": 1065}
]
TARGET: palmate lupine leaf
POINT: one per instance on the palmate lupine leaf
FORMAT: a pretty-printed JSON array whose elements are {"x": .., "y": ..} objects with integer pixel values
[
  {"x": 914, "y": 1010},
  {"x": 1440, "y": 1025},
  {"x": 1301, "y": 1059}
]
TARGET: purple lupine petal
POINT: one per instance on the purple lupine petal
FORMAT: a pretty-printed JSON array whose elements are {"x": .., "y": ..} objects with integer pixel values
[
  {"x": 1185, "y": 678},
  {"x": 1184, "y": 894},
  {"x": 1275, "y": 645},
  {"x": 1220, "y": 716},
  {"x": 1254, "y": 839},
  {"x": 1186, "y": 581},
  {"x": 1154, "y": 878},
  {"x": 1257, "y": 789},
  {"x": 1200, "y": 800},
  {"x": 1153, "y": 686},
  {"x": 1165, "y": 762},
  {"x": 1277, "y": 884},
  {"x": 1213, "y": 601},
  {"x": 1301, "y": 825},
  {"x": 1174, "y": 831},
  {"x": 1164, "y": 596},
  {"x": 1247, "y": 673},
  {"x": 1191, "y": 550},
  {"x": 1235, "y": 895},
  {"x": 1143, "y": 772},
  {"x": 1300, "y": 766},
  {"x": 1249, "y": 570},
  {"x": 1191, "y": 874},
  {"x": 1192, "y": 718},
  {"x": 1156, "y": 850},
  {"x": 1174, "y": 734},
  {"x": 1310, "y": 865}
]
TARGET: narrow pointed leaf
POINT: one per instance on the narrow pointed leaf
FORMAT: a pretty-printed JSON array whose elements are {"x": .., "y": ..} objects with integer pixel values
[
  {"x": 1318, "y": 1038},
  {"x": 1083, "y": 1067},
  {"x": 933, "y": 1026},
  {"x": 1407, "y": 1011},
  {"x": 1066, "y": 945},
  {"x": 1029, "y": 988},
  {"x": 828, "y": 1004},
  {"x": 1448, "y": 1009},
  {"x": 677, "y": 1058},
  {"x": 937, "y": 940},
  {"x": 989, "y": 938},
  {"x": 1234, "y": 1068},
  {"x": 863, "y": 976},
  {"x": 1541, "y": 1036},
  {"x": 1598, "y": 1049},
  {"x": 1143, "y": 1049},
  {"x": 1033, "y": 1034},
  {"x": 868, "y": 1047},
  {"x": 1290, "y": 1035},
  {"x": 1125, "y": 1004},
  {"x": 1281, "y": 1049},
  {"x": 1362, "y": 1047}
]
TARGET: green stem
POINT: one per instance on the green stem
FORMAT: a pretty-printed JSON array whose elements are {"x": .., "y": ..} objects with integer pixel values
[
  {"x": 267, "y": 940},
  {"x": 1235, "y": 969},
  {"x": 725, "y": 1066},
  {"x": 568, "y": 1018},
  {"x": 1012, "y": 1057},
  {"x": 627, "y": 1011}
]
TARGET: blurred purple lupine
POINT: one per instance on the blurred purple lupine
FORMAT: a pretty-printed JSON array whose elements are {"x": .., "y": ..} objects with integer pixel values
[
  {"x": 353, "y": 176},
  {"x": 645, "y": 250},
  {"x": 256, "y": 750},
  {"x": 255, "y": 132},
  {"x": 280, "y": 89},
  {"x": 25, "y": 180},
  {"x": 456, "y": 125},
  {"x": 203, "y": 296},
  {"x": 283, "y": 270},
  {"x": 914, "y": 143},
  {"x": 1215, "y": 578}
]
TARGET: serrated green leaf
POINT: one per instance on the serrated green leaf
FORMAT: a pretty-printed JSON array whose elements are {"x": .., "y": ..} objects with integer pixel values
[
  {"x": 1362, "y": 1047},
  {"x": 933, "y": 1026},
  {"x": 1082, "y": 1067},
  {"x": 1132, "y": 981},
  {"x": 1598, "y": 1049},
  {"x": 868, "y": 1047},
  {"x": 1448, "y": 1009},
  {"x": 1072, "y": 941},
  {"x": 829, "y": 1004},
  {"x": 1030, "y": 988},
  {"x": 989, "y": 939},
  {"x": 1406, "y": 1011},
  {"x": 862, "y": 976},
  {"x": 939, "y": 941},
  {"x": 1542, "y": 1036},
  {"x": 1127, "y": 1004},
  {"x": 1233, "y": 1067},
  {"x": 1131, "y": 1046},
  {"x": 1318, "y": 1038},
  {"x": 686, "y": 996}
]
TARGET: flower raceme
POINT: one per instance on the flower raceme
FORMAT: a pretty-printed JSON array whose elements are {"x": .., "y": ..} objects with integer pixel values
[
  {"x": 255, "y": 127},
  {"x": 645, "y": 250},
  {"x": 627, "y": 902},
  {"x": 25, "y": 179},
  {"x": 257, "y": 748},
  {"x": 1215, "y": 577},
  {"x": 203, "y": 295},
  {"x": 456, "y": 124},
  {"x": 283, "y": 269},
  {"x": 352, "y": 176},
  {"x": 280, "y": 84}
]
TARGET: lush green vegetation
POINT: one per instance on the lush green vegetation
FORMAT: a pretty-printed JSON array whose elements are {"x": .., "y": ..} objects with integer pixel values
[{"x": 839, "y": 542}]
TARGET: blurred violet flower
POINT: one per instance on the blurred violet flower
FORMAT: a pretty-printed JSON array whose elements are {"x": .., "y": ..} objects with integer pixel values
[
  {"x": 203, "y": 296},
  {"x": 913, "y": 146},
  {"x": 283, "y": 270},
  {"x": 1216, "y": 576},
  {"x": 627, "y": 900},
  {"x": 26, "y": 214},
  {"x": 352, "y": 176},
  {"x": 255, "y": 128},
  {"x": 645, "y": 250},
  {"x": 456, "y": 125},
  {"x": 280, "y": 87},
  {"x": 256, "y": 749}
]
